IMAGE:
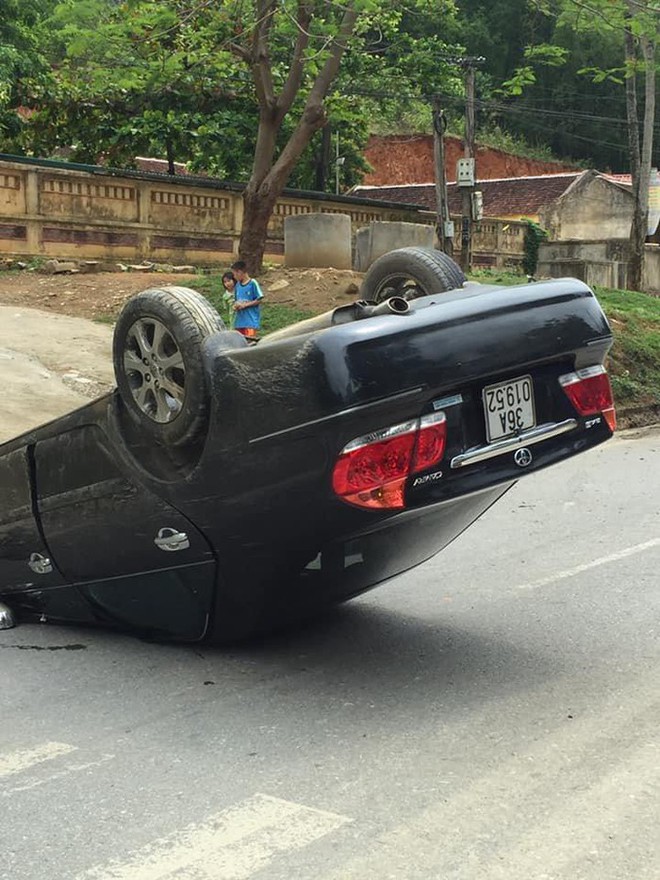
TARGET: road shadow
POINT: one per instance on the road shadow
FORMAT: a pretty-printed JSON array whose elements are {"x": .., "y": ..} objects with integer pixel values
[{"x": 354, "y": 654}]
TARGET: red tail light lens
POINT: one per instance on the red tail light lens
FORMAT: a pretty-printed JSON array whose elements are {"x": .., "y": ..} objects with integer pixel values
[
  {"x": 431, "y": 439},
  {"x": 590, "y": 392},
  {"x": 372, "y": 470}
]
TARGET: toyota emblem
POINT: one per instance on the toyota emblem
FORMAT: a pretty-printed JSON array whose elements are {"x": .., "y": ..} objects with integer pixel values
[{"x": 523, "y": 457}]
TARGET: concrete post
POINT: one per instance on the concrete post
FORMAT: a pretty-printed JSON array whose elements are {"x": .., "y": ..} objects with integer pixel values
[
  {"x": 382, "y": 236},
  {"x": 318, "y": 240},
  {"x": 30, "y": 180}
]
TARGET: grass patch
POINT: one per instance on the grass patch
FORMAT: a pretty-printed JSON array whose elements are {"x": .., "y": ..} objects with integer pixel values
[
  {"x": 506, "y": 277},
  {"x": 634, "y": 361},
  {"x": 274, "y": 316}
]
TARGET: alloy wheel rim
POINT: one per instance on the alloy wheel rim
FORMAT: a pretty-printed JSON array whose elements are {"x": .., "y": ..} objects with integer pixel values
[
  {"x": 155, "y": 370},
  {"x": 399, "y": 285}
]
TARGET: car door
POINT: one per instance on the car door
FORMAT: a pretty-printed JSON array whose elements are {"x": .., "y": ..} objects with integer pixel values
[
  {"x": 137, "y": 560},
  {"x": 25, "y": 560}
]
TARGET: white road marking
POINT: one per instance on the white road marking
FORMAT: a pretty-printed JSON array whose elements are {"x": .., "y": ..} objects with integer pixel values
[
  {"x": 23, "y": 759},
  {"x": 67, "y": 771},
  {"x": 231, "y": 845},
  {"x": 578, "y": 569}
]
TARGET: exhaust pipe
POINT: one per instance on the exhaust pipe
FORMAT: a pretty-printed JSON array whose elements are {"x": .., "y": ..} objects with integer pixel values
[{"x": 356, "y": 311}]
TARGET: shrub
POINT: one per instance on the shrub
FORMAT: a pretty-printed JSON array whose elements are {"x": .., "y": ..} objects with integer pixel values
[{"x": 534, "y": 235}]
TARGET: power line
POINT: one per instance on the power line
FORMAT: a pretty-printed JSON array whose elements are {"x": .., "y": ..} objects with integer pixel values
[{"x": 529, "y": 114}]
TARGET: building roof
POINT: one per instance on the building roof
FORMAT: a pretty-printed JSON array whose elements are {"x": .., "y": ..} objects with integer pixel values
[
  {"x": 502, "y": 197},
  {"x": 621, "y": 179},
  {"x": 159, "y": 166}
]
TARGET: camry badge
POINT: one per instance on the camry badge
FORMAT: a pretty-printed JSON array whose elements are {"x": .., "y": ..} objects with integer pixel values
[{"x": 523, "y": 457}]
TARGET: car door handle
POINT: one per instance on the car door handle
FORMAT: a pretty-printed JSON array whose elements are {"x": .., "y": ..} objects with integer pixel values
[
  {"x": 40, "y": 564},
  {"x": 170, "y": 540}
]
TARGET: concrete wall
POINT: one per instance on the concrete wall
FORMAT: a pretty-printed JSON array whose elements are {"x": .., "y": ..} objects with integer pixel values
[
  {"x": 652, "y": 269},
  {"x": 600, "y": 263},
  {"x": 51, "y": 210},
  {"x": 379, "y": 238},
  {"x": 54, "y": 210},
  {"x": 497, "y": 244},
  {"x": 319, "y": 240},
  {"x": 591, "y": 208}
]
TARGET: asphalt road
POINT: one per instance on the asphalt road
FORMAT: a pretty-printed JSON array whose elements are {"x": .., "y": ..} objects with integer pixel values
[{"x": 494, "y": 714}]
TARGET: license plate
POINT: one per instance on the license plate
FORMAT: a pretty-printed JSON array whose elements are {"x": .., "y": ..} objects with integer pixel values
[{"x": 509, "y": 408}]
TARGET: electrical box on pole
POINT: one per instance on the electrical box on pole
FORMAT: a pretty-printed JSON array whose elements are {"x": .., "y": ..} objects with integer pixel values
[
  {"x": 465, "y": 172},
  {"x": 477, "y": 206}
]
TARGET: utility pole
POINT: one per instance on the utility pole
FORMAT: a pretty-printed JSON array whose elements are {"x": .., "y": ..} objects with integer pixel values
[
  {"x": 468, "y": 65},
  {"x": 466, "y": 175},
  {"x": 443, "y": 225},
  {"x": 339, "y": 161},
  {"x": 323, "y": 159}
]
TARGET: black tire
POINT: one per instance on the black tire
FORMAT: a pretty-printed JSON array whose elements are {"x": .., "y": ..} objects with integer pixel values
[
  {"x": 411, "y": 272},
  {"x": 157, "y": 357}
]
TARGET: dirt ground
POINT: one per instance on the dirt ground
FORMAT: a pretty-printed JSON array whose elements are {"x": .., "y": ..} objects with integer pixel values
[
  {"x": 101, "y": 295},
  {"x": 53, "y": 358}
]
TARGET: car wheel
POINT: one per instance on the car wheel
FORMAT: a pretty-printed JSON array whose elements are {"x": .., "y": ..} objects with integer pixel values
[
  {"x": 158, "y": 363},
  {"x": 411, "y": 272}
]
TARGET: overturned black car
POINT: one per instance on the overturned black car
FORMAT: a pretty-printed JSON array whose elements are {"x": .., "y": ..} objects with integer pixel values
[{"x": 224, "y": 488}]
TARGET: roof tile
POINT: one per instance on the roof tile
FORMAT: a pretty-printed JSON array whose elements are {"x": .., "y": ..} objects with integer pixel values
[{"x": 504, "y": 197}]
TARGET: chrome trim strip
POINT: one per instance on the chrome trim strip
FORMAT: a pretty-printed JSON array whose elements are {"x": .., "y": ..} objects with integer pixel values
[{"x": 527, "y": 438}]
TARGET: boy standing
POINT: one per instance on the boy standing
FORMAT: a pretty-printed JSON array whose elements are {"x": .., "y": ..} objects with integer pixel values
[{"x": 248, "y": 297}]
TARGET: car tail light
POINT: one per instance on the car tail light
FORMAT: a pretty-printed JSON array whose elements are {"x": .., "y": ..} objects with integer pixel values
[
  {"x": 590, "y": 392},
  {"x": 431, "y": 439},
  {"x": 372, "y": 470}
]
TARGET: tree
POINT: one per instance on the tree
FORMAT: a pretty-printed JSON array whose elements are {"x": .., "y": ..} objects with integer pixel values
[
  {"x": 238, "y": 89},
  {"x": 635, "y": 23},
  {"x": 129, "y": 79},
  {"x": 21, "y": 62},
  {"x": 270, "y": 170},
  {"x": 640, "y": 42}
]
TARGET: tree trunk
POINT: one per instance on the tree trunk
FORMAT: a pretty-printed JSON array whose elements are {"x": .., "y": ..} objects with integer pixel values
[
  {"x": 258, "y": 204},
  {"x": 640, "y": 227},
  {"x": 261, "y": 195},
  {"x": 640, "y": 161}
]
